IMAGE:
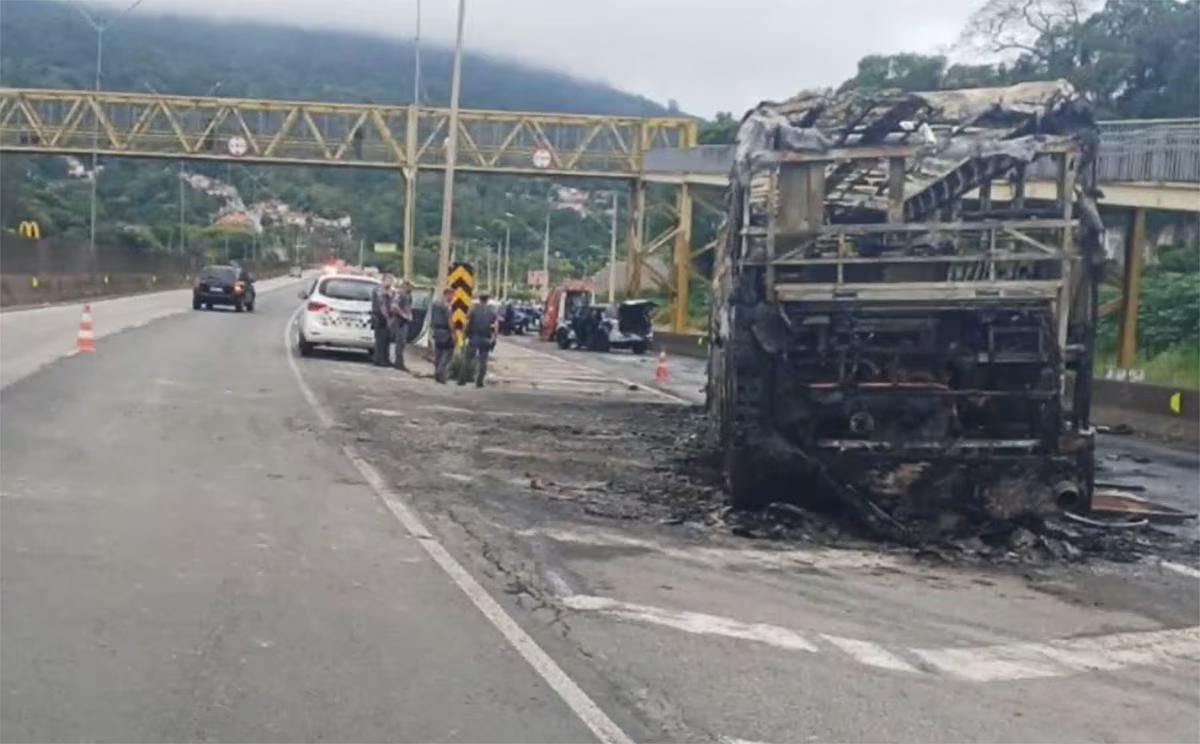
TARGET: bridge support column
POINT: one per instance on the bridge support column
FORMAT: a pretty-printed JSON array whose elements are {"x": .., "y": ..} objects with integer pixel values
[
  {"x": 410, "y": 219},
  {"x": 1131, "y": 284},
  {"x": 633, "y": 240},
  {"x": 682, "y": 258}
]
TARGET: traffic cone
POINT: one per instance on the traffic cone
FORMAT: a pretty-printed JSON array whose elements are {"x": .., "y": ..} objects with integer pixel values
[
  {"x": 85, "y": 341},
  {"x": 660, "y": 372}
]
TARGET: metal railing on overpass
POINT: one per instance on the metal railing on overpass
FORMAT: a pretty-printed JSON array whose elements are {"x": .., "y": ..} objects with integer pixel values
[{"x": 1147, "y": 151}]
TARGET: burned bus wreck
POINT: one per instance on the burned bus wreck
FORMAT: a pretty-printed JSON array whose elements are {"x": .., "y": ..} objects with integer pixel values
[{"x": 887, "y": 334}]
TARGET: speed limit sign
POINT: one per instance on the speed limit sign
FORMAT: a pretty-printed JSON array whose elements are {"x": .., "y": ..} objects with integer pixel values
[
  {"x": 541, "y": 158},
  {"x": 237, "y": 146}
]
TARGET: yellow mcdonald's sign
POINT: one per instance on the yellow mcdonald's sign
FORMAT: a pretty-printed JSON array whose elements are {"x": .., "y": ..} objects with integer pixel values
[{"x": 30, "y": 229}]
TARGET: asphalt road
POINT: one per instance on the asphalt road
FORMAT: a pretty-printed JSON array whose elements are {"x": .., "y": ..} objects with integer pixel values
[
  {"x": 186, "y": 555},
  {"x": 205, "y": 537}
]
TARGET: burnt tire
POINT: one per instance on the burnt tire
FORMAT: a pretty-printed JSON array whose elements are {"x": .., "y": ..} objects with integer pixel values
[
  {"x": 563, "y": 339},
  {"x": 743, "y": 405}
]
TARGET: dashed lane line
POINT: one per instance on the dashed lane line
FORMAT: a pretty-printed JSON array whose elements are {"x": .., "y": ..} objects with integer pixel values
[
  {"x": 1179, "y": 568},
  {"x": 871, "y": 654},
  {"x": 718, "y": 557},
  {"x": 997, "y": 663},
  {"x": 576, "y": 699},
  {"x": 699, "y": 623}
]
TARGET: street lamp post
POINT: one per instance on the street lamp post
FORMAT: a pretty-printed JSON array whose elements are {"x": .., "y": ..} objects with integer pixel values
[
  {"x": 612, "y": 254},
  {"x": 99, "y": 28},
  {"x": 546, "y": 254},
  {"x": 451, "y": 154},
  {"x": 507, "y": 259}
]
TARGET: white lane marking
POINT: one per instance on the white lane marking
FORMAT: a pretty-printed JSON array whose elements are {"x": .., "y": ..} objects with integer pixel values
[
  {"x": 1066, "y": 656},
  {"x": 1181, "y": 569},
  {"x": 459, "y": 477},
  {"x": 576, "y": 699},
  {"x": 385, "y": 412},
  {"x": 699, "y": 623},
  {"x": 1024, "y": 660},
  {"x": 871, "y": 654},
  {"x": 322, "y": 414},
  {"x": 485, "y": 412},
  {"x": 820, "y": 559},
  {"x": 627, "y": 383}
]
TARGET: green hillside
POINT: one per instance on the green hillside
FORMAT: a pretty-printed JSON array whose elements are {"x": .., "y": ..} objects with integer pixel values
[{"x": 48, "y": 44}]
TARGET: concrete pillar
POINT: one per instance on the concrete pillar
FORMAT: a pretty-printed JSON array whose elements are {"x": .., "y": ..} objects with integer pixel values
[
  {"x": 633, "y": 240},
  {"x": 682, "y": 258},
  {"x": 1131, "y": 284},
  {"x": 410, "y": 219}
]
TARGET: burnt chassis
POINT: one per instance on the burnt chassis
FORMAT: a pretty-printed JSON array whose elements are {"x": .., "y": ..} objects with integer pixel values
[{"x": 913, "y": 363}]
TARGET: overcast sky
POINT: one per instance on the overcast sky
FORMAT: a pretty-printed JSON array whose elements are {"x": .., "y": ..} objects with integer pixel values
[{"x": 709, "y": 55}]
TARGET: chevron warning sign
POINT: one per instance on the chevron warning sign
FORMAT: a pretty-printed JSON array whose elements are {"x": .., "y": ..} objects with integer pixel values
[{"x": 462, "y": 281}]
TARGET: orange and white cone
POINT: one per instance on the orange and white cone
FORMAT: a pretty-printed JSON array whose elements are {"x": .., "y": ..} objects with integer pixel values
[
  {"x": 661, "y": 374},
  {"x": 85, "y": 341}
]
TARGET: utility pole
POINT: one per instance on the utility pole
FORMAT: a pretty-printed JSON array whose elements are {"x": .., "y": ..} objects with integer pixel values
[
  {"x": 451, "y": 155},
  {"x": 99, "y": 28},
  {"x": 507, "y": 257},
  {"x": 410, "y": 173},
  {"x": 612, "y": 254},
  {"x": 229, "y": 183},
  {"x": 361, "y": 248},
  {"x": 546, "y": 254},
  {"x": 182, "y": 239}
]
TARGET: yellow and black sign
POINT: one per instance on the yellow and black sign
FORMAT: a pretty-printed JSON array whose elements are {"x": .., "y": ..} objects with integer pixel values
[
  {"x": 29, "y": 229},
  {"x": 462, "y": 281}
]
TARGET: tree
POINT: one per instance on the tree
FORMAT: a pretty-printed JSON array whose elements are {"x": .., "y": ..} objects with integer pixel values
[
  {"x": 906, "y": 71},
  {"x": 721, "y": 131},
  {"x": 1050, "y": 31},
  {"x": 1131, "y": 58}
]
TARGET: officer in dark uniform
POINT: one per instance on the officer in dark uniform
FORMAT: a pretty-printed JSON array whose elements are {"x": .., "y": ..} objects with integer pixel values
[
  {"x": 443, "y": 334},
  {"x": 399, "y": 318},
  {"x": 380, "y": 301},
  {"x": 481, "y": 334}
]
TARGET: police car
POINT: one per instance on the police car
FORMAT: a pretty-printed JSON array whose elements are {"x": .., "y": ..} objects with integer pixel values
[{"x": 337, "y": 312}]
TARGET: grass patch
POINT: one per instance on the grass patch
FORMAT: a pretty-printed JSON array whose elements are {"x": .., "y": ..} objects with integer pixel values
[{"x": 1177, "y": 365}]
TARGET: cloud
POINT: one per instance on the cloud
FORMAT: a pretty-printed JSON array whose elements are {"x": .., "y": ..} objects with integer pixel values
[{"x": 708, "y": 55}]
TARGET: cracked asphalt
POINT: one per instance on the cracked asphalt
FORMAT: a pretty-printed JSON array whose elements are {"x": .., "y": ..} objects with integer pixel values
[{"x": 187, "y": 553}]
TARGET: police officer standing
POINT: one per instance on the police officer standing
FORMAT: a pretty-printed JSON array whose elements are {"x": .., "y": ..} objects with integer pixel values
[
  {"x": 380, "y": 300},
  {"x": 400, "y": 316},
  {"x": 443, "y": 334},
  {"x": 481, "y": 334}
]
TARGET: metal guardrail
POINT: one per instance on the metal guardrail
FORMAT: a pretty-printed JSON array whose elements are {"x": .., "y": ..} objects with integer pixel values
[{"x": 1162, "y": 150}]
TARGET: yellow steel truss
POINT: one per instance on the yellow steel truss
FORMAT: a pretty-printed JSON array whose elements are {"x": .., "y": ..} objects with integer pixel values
[
  {"x": 407, "y": 138},
  {"x": 371, "y": 135}
]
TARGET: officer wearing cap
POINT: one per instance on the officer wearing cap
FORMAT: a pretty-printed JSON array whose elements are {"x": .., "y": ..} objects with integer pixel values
[{"x": 481, "y": 334}]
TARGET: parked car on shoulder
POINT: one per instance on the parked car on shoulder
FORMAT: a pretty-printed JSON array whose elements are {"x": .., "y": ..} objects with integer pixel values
[
  {"x": 337, "y": 313},
  {"x": 593, "y": 327}
]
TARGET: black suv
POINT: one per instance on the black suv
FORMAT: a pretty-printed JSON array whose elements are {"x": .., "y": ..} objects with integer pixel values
[{"x": 224, "y": 285}]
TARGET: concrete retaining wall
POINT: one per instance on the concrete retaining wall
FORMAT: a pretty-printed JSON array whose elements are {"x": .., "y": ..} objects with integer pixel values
[{"x": 33, "y": 272}]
